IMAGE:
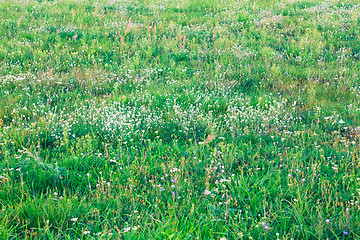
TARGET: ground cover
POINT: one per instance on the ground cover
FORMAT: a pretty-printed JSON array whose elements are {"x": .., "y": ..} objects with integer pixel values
[{"x": 179, "y": 119}]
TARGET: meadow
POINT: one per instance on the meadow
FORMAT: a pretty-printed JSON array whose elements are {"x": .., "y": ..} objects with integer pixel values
[{"x": 188, "y": 119}]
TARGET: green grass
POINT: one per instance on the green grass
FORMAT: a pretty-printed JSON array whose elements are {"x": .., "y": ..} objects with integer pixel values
[{"x": 179, "y": 119}]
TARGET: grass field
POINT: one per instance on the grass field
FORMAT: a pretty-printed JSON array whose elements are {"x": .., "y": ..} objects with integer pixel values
[{"x": 188, "y": 119}]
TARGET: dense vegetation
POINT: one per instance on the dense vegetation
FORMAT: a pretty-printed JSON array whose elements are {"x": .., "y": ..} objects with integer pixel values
[{"x": 191, "y": 119}]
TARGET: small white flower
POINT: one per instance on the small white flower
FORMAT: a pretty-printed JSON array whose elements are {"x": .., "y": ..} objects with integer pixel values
[
  {"x": 74, "y": 219},
  {"x": 86, "y": 232},
  {"x": 136, "y": 228},
  {"x": 341, "y": 121},
  {"x": 207, "y": 192}
]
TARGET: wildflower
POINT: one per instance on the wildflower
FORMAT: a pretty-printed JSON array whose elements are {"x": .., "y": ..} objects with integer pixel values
[
  {"x": 207, "y": 192},
  {"x": 327, "y": 220},
  {"x": 86, "y": 232},
  {"x": 135, "y": 228},
  {"x": 345, "y": 232},
  {"x": 341, "y": 121},
  {"x": 74, "y": 219},
  {"x": 265, "y": 225}
]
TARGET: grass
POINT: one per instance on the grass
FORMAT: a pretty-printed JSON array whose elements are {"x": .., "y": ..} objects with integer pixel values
[{"x": 179, "y": 119}]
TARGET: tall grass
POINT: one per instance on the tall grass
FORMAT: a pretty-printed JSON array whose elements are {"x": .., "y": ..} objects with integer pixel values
[{"x": 179, "y": 119}]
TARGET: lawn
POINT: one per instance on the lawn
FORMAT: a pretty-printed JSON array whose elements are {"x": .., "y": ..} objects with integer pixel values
[{"x": 188, "y": 119}]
